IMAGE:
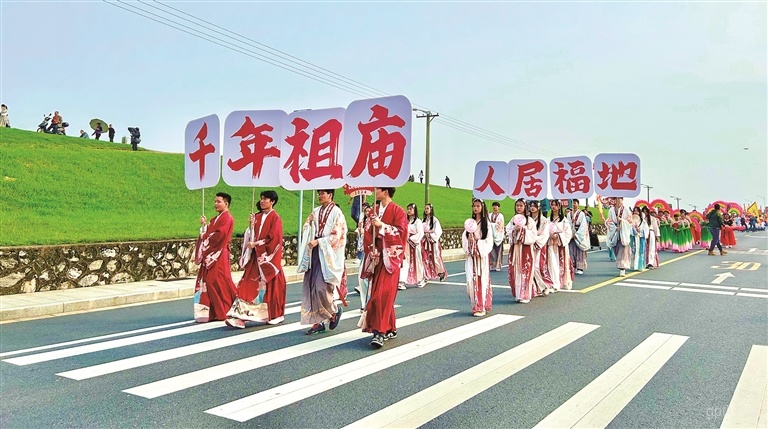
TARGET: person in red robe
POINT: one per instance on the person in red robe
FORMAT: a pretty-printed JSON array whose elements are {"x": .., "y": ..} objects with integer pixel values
[
  {"x": 386, "y": 232},
  {"x": 214, "y": 288},
  {"x": 262, "y": 289}
]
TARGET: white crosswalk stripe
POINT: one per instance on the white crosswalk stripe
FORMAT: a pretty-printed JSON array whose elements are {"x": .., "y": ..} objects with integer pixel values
[
  {"x": 196, "y": 378},
  {"x": 263, "y": 402},
  {"x": 424, "y": 406},
  {"x": 596, "y": 405},
  {"x": 601, "y": 400}
]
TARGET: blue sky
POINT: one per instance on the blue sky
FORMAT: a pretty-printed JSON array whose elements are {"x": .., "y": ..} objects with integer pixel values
[{"x": 683, "y": 85}]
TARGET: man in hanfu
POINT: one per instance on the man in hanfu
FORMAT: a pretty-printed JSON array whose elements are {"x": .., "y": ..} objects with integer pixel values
[
  {"x": 580, "y": 240},
  {"x": 262, "y": 289},
  {"x": 214, "y": 288},
  {"x": 386, "y": 232},
  {"x": 321, "y": 259},
  {"x": 496, "y": 219}
]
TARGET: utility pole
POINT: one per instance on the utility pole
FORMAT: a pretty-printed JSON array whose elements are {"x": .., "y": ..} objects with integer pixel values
[
  {"x": 430, "y": 116},
  {"x": 648, "y": 198},
  {"x": 678, "y": 200}
]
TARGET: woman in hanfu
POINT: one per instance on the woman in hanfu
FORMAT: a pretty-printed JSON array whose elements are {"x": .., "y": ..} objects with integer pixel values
[
  {"x": 695, "y": 229},
  {"x": 431, "y": 249},
  {"x": 412, "y": 272},
  {"x": 727, "y": 237},
  {"x": 651, "y": 250},
  {"x": 640, "y": 231},
  {"x": 557, "y": 255},
  {"x": 706, "y": 235},
  {"x": 665, "y": 239},
  {"x": 477, "y": 242},
  {"x": 541, "y": 275},
  {"x": 677, "y": 234},
  {"x": 521, "y": 230}
]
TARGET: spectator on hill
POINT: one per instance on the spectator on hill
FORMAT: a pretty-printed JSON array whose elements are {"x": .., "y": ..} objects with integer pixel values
[
  {"x": 111, "y": 132},
  {"x": 447, "y": 182},
  {"x": 56, "y": 122},
  {"x": 84, "y": 135},
  {"x": 135, "y": 137},
  {"x": 4, "y": 122},
  {"x": 97, "y": 132}
]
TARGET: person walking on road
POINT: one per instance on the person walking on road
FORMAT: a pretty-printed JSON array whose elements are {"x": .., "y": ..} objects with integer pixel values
[
  {"x": 716, "y": 223},
  {"x": 214, "y": 288}
]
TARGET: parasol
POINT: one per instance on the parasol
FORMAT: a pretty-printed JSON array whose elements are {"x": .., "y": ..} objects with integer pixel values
[{"x": 94, "y": 122}]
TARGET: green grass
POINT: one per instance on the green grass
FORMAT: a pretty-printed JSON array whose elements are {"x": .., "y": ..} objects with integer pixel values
[{"x": 66, "y": 190}]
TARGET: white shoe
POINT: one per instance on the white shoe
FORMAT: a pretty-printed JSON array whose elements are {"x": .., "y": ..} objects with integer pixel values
[
  {"x": 546, "y": 292},
  {"x": 277, "y": 320},
  {"x": 622, "y": 273},
  {"x": 579, "y": 271},
  {"x": 479, "y": 313},
  {"x": 422, "y": 284},
  {"x": 525, "y": 301},
  {"x": 401, "y": 286}
]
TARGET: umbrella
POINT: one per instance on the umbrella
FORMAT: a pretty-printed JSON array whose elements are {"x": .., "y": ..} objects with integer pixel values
[{"x": 94, "y": 122}]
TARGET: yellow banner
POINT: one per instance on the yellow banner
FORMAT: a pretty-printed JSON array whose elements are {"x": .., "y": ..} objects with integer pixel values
[{"x": 752, "y": 209}]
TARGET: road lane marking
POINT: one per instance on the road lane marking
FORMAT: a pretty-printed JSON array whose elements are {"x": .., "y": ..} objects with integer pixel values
[
  {"x": 752, "y": 295},
  {"x": 618, "y": 279},
  {"x": 638, "y": 285},
  {"x": 597, "y": 404},
  {"x": 715, "y": 292},
  {"x": 656, "y": 282},
  {"x": 218, "y": 372},
  {"x": 75, "y": 351},
  {"x": 175, "y": 353},
  {"x": 709, "y": 286},
  {"x": 272, "y": 399},
  {"x": 102, "y": 337},
  {"x": 754, "y": 290},
  {"x": 749, "y": 404},
  {"x": 416, "y": 410}
]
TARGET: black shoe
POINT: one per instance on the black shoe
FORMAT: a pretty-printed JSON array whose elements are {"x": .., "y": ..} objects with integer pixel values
[
  {"x": 317, "y": 327},
  {"x": 391, "y": 335},
  {"x": 335, "y": 321},
  {"x": 377, "y": 341}
]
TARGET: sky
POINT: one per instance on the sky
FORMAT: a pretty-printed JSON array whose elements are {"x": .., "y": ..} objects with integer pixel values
[{"x": 681, "y": 84}]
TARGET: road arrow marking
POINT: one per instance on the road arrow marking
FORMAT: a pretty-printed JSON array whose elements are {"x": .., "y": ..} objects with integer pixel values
[{"x": 722, "y": 276}]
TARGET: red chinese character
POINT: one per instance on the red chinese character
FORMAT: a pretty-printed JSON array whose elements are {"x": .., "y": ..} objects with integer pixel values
[
  {"x": 619, "y": 174},
  {"x": 574, "y": 180},
  {"x": 495, "y": 188},
  {"x": 388, "y": 146},
  {"x": 526, "y": 175},
  {"x": 252, "y": 135},
  {"x": 313, "y": 169},
  {"x": 202, "y": 150}
]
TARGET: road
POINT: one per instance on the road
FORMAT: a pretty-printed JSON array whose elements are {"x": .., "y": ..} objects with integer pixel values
[{"x": 660, "y": 348}]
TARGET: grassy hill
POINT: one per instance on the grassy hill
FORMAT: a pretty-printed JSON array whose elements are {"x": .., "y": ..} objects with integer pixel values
[{"x": 66, "y": 190}]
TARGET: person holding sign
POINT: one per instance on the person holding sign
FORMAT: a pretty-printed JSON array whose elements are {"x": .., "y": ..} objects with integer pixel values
[
  {"x": 434, "y": 267},
  {"x": 262, "y": 290},
  {"x": 385, "y": 234},
  {"x": 580, "y": 240},
  {"x": 521, "y": 230},
  {"x": 321, "y": 258},
  {"x": 497, "y": 225},
  {"x": 214, "y": 288},
  {"x": 477, "y": 242},
  {"x": 621, "y": 218}
]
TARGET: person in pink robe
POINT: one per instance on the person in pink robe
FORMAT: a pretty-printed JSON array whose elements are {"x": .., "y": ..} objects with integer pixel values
[
  {"x": 412, "y": 271},
  {"x": 558, "y": 257},
  {"x": 541, "y": 274},
  {"x": 386, "y": 232},
  {"x": 477, "y": 242},
  {"x": 521, "y": 230},
  {"x": 431, "y": 249},
  {"x": 261, "y": 292},
  {"x": 214, "y": 288}
]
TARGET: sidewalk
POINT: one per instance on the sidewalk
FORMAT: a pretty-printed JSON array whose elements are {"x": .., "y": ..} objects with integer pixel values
[{"x": 56, "y": 302}]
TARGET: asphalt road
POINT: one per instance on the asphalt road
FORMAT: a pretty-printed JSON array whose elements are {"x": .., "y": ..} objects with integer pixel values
[{"x": 699, "y": 333}]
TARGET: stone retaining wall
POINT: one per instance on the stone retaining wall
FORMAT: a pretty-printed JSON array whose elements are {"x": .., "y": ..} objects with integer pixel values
[{"x": 41, "y": 268}]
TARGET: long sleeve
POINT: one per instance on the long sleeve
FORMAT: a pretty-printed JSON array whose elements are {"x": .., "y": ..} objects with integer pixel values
[
  {"x": 542, "y": 235},
  {"x": 416, "y": 231},
  {"x": 485, "y": 245}
]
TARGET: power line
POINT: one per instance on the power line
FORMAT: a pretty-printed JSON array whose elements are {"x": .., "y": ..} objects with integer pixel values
[{"x": 285, "y": 61}]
